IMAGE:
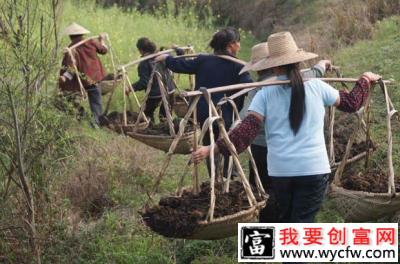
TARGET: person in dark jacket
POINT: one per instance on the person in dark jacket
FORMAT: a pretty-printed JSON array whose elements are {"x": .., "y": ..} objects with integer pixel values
[
  {"x": 213, "y": 71},
  {"x": 90, "y": 69},
  {"x": 145, "y": 69}
]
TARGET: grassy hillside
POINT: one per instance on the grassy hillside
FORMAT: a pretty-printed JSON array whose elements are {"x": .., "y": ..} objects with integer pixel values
[{"x": 380, "y": 55}]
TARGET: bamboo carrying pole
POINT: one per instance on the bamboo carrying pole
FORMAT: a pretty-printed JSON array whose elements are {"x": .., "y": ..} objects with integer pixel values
[
  {"x": 151, "y": 56},
  {"x": 226, "y": 57},
  {"x": 266, "y": 83}
]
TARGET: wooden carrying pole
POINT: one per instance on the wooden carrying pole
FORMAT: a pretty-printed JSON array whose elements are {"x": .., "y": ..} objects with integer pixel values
[
  {"x": 265, "y": 83},
  {"x": 226, "y": 57},
  {"x": 151, "y": 56}
]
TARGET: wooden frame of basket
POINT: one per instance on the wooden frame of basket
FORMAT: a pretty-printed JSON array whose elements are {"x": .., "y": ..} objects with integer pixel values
[
  {"x": 390, "y": 112},
  {"x": 213, "y": 117},
  {"x": 127, "y": 84},
  {"x": 331, "y": 121}
]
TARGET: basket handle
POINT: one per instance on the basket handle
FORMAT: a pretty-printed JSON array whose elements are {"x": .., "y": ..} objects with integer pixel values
[
  {"x": 213, "y": 111},
  {"x": 173, "y": 146},
  {"x": 166, "y": 104},
  {"x": 343, "y": 162},
  {"x": 390, "y": 112},
  {"x": 143, "y": 106},
  {"x": 259, "y": 185}
]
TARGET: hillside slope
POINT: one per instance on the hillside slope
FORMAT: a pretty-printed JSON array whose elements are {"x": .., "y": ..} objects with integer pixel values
[{"x": 380, "y": 55}]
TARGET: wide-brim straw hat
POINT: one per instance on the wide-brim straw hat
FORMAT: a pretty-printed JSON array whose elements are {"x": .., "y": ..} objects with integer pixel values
[
  {"x": 283, "y": 50},
  {"x": 75, "y": 29},
  {"x": 258, "y": 52}
]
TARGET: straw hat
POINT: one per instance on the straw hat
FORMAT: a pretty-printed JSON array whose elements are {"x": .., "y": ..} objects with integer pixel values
[
  {"x": 283, "y": 50},
  {"x": 258, "y": 52},
  {"x": 75, "y": 29}
]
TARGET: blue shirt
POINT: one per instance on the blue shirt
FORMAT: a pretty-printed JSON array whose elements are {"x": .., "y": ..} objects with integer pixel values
[
  {"x": 304, "y": 153},
  {"x": 211, "y": 71},
  {"x": 260, "y": 140}
]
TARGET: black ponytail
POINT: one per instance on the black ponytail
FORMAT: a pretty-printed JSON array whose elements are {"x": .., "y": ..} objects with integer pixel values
[
  {"x": 297, "y": 101},
  {"x": 223, "y": 38}
]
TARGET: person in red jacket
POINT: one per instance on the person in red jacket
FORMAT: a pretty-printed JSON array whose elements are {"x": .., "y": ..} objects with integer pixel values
[{"x": 88, "y": 64}]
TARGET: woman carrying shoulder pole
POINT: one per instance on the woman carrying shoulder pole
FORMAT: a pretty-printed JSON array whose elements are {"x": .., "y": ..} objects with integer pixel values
[
  {"x": 212, "y": 71},
  {"x": 259, "y": 145},
  {"x": 294, "y": 120},
  {"x": 145, "y": 69}
]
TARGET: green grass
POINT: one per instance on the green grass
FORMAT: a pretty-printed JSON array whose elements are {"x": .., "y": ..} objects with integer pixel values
[{"x": 379, "y": 55}]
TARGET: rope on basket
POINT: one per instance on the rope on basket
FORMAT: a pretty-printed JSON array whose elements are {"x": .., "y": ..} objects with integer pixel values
[
  {"x": 173, "y": 146},
  {"x": 259, "y": 185},
  {"x": 143, "y": 106},
  {"x": 214, "y": 113},
  {"x": 340, "y": 169},
  {"x": 391, "y": 111},
  {"x": 125, "y": 83}
]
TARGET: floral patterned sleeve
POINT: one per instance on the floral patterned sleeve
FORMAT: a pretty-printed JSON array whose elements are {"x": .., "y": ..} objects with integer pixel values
[
  {"x": 242, "y": 135},
  {"x": 352, "y": 101}
]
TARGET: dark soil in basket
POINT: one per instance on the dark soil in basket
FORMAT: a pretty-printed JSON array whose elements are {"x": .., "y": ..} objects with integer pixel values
[
  {"x": 372, "y": 180},
  {"x": 115, "y": 119},
  {"x": 179, "y": 216},
  {"x": 162, "y": 128},
  {"x": 344, "y": 127}
]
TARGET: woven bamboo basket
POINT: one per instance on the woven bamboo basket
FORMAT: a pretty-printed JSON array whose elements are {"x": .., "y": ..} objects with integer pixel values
[
  {"x": 359, "y": 206},
  {"x": 226, "y": 226},
  {"x": 108, "y": 86},
  {"x": 180, "y": 107},
  {"x": 164, "y": 142}
]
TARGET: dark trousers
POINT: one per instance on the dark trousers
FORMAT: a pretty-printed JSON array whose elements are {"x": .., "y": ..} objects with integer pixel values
[
  {"x": 299, "y": 198},
  {"x": 95, "y": 103},
  {"x": 269, "y": 213},
  {"x": 153, "y": 103}
]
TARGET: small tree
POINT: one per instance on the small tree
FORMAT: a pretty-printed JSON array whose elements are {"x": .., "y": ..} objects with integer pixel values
[{"x": 30, "y": 132}]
